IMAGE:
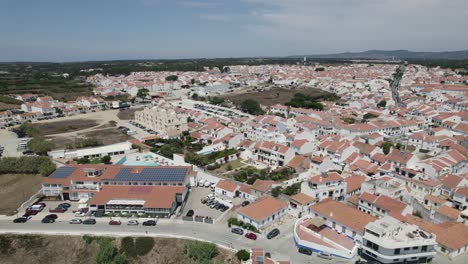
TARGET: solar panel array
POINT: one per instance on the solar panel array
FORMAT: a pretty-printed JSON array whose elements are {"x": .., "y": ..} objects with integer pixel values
[
  {"x": 152, "y": 175},
  {"x": 62, "y": 172}
]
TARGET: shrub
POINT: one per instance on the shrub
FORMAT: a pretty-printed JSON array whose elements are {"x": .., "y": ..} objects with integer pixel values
[
  {"x": 201, "y": 252},
  {"x": 144, "y": 245},
  {"x": 30, "y": 165},
  {"x": 127, "y": 246},
  {"x": 108, "y": 254},
  {"x": 243, "y": 255}
]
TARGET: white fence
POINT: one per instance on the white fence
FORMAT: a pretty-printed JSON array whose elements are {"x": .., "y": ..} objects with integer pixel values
[{"x": 31, "y": 200}]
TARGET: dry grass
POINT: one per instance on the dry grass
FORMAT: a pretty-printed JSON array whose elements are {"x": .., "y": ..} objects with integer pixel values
[
  {"x": 4, "y": 106},
  {"x": 15, "y": 189},
  {"x": 64, "y": 126},
  {"x": 106, "y": 136},
  {"x": 273, "y": 96},
  {"x": 61, "y": 249},
  {"x": 127, "y": 114}
]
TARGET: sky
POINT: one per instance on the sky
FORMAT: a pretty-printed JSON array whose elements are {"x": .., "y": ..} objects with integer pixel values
[{"x": 67, "y": 30}]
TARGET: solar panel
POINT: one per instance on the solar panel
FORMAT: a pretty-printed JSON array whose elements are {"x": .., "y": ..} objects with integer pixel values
[
  {"x": 152, "y": 175},
  {"x": 62, "y": 172}
]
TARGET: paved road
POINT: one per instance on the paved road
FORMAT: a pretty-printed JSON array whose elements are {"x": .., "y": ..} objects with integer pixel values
[
  {"x": 281, "y": 248},
  {"x": 10, "y": 141},
  {"x": 395, "y": 85}
]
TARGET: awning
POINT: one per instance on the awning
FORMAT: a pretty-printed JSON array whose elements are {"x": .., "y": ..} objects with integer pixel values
[{"x": 126, "y": 202}]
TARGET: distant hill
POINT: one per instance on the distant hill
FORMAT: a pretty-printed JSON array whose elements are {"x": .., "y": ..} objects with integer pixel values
[{"x": 392, "y": 54}]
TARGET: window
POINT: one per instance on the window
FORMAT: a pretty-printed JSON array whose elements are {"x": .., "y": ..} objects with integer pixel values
[
  {"x": 407, "y": 248},
  {"x": 397, "y": 251},
  {"x": 415, "y": 247}
]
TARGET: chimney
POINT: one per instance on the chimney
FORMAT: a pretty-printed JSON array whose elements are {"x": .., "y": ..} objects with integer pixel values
[{"x": 331, "y": 214}]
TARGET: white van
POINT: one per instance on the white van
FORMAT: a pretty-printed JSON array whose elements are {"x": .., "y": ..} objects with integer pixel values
[{"x": 201, "y": 183}]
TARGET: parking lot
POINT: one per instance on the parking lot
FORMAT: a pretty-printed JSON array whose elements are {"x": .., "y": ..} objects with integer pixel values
[{"x": 194, "y": 203}]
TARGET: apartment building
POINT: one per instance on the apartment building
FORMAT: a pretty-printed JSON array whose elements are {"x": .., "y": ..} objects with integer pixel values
[
  {"x": 162, "y": 120},
  {"x": 273, "y": 154},
  {"x": 388, "y": 240},
  {"x": 119, "y": 188},
  {"x": 327, "y": 185}
]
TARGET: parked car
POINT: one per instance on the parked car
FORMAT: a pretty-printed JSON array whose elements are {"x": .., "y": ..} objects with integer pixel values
[
  {"x": 214, "y": 204},
  {"x": 58, "y": 210},
  {"x": 132, "y": 222},
  {"x": 245, "y": 203},
  {"x": 251, "y": 236},
  {"x": 47, "y": 220},
  {"x": 75, "y": 221},
  {"x": 115, "y": 222},
  {"x": 273, "y": 233},
  {"x": 207, "y": 184},
  {"x": 64, "y": 205},
  {"x": 324, "y": 255},
  {"x": 52, "y": 216},
  {"x": 89, "y": 221},
  {"x": 79, "y": 214},
  {"x": 31, "y": 212},
  {"x": 149, "y": 223},
  {"x": 21, "y": 220},
  {"x": 237, "y": 230},
  {"x": 190, "y": 212},
  {"x": 305, "y": 251},
  {"x": 204, "y": 200},
  {"x": 41, "y": 204}
]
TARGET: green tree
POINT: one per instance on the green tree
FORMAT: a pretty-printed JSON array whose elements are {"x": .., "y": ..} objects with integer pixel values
[
  {"x": 251, "y": 106},
  {"x": 386, "y": 146},
  {"x": 195, "y": 96},
  {"x": 216, "y": 100},
  {"x": 382, "y": 104},
  {"x": 106, "y": 159},
  {"x": 40, "y": 145},
  {"x": 142, "y": 93},
  {"x": 275, "y": 192},
  {"x": 243, "y": 255},
  {"x": 172, "y": 78}
]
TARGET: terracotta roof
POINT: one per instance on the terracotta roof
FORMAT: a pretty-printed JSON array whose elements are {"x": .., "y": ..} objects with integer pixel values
[
  {"x": 262, "y": 185},
  {"x": 245, "y": 188},
  {"x": 368, "y": 197},
  {"x": 262, "y": 208},
  {"x": 390, "y": 204},
  {"x": 434, "y": 199},
  {"x": 302, "y": 198},
  {"x": 154, "y": 196},
  {"x": 463, "y": 191},
  {"x": 354, "y": 182},
  {"x": 229, "y": 186},
  {"x": 452, "y": 213},
  {"x": 330, "y": 177},
  {"x": 343, "y": 214}
]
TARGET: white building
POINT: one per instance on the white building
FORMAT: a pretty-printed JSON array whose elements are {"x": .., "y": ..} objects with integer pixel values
[
  {"x": 96, "y": 152},
  {"x": 329, "y": 185},
  {"x": 162, "y": 120},
  {"x": 388, "y": 240}
]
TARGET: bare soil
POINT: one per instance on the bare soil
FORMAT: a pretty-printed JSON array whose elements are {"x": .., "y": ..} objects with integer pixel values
[
  {"x": 15, "y": 189},
  {"x": 127, "y": 114},
  {"x": 4, "y": 106},
  {"x": 34, "y": 249},
  {"x": 65, "y": 126},
  {"x": 273, "y": 96},
  {"x": 106, "y": 136}
]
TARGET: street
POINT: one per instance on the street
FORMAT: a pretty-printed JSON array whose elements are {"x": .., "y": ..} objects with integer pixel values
[{"x": 281, "y": 247}]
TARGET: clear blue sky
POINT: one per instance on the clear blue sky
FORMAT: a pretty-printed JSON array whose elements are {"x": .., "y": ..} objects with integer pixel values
[{"x": 69, "y": 30}]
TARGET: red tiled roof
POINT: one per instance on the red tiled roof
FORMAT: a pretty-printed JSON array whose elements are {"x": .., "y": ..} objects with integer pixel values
[
  {"x": 262, "y": 208},
  {"x": 343, "y": 214},
  {"x": 227, "y": 185}
]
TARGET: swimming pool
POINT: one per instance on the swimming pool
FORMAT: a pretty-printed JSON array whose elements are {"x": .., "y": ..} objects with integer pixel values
[{"x": 141, "y": 163}]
